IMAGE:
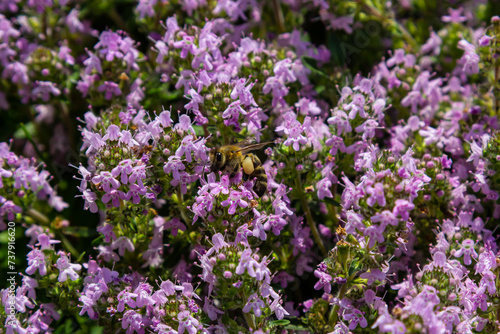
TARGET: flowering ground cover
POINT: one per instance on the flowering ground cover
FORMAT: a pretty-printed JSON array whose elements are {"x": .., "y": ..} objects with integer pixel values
[{"x": 371, "y": 205}]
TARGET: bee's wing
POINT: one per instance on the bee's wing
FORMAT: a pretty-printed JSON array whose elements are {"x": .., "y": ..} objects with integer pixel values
[
  {"x": 246, "y": 142},
  {"x": 252, "y": 147}
]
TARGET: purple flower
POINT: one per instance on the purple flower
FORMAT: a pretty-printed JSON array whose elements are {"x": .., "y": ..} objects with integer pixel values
[
  {"x": 385, "y": 218},
  {"x": 109, "y": 43},
  {"x": 485, "y": 262},
  {"x": 175, "y": 226},
  {"x": 254, "y": 303},
  {"x": 455, "y": 16},
  {"x": 87, "y": 306},
  {"x": 174, "y": 165},
  {"x": 374, "y": 233},
  {"x": 196, "y": 100},
  {"x": 126, "y": 138},
  {"x": 487, "y": 282},
  {"x": 10, "y": 209},
  {"x": 467, "y": 250},
  {"x": 44, "y": 241},
  {"x": 67, "y": 269},
  {"x": 36, "y": 260},
  {"x": 283, "y": 278},
  {"x": 477, "y": 151},
  {"x": 93, "y": 63},
  {"x": 235, "y": 200},
  {"x": 106, "y": 252},
  {"x": 123, "y": 243},
  {"x": 470, "y": 59},
  {"x": 211, "y": 310},
  {"x": 293, "y": 129},
  {"x": 242, "y": 93},
  {"x": 187, "y": 323},
  {"x": 17, "y": 72},
  {"x": 247, "y": 262},
  {"x": 187, "y": 45},
  {"x": 232, "y": 113},
  {"x": 373, "y": 275},
  {"x": 183, "y": 181},
  {"x": 132, "y": 321},
  {"x": 135, "y": 193},
  {"x": 90, "y": 198},
  {"x": 107, "y": 231},
  {"x": 278, "y": 88},
  {"x": 376, "y": 194},
  {"x": 396, "y": 327},
  {"x": 106, "y": 180},
  {"x": 137, "y": 174},
  {"x": 402, "y": 208},
  {"x": 355, "y": 318},
  {"x": 110, "y": 88},
  {"x": 124, "y": 168},
  {"x": 143, "y": 292},
  {"x": 323, "y": 187},
  {"x": 112, "y": 133},
  {"x": 185, "y": 148},
  {"x": 125, "y": 297},
  {"x": 341, "y": 121},
  {"x": 278, "y": 309},
  {"x": 115, "y": 196},
  {"x": 43, "y": 89},
  {"x": 485, "y": 40},
  {"x": 324, "y": 280}
]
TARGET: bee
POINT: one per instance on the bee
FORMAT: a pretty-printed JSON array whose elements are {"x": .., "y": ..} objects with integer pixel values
[
  {"x": 139, "y": 151},
  {"x": 231, "y": 158}
]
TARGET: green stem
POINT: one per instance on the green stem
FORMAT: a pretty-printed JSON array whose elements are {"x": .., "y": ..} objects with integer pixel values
[
  {"x": 495, "y": 84},
  {"x": 389, "y": 21},
  {"x": 38, "y": 216},
  {"x": 309, "y": 218},
  {"x": 250, "y": 320},
  {"x": 278, "y": 15},
  {"x": 180, "y": 199},
  {"x": 67, "y": 120},
  {"x": 117, "y": 18},
  {"x": 67, "y": 244},
  {"x": 334, "y": 312}
]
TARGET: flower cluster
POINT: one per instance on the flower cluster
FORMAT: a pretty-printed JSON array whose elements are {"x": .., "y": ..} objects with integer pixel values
[
  {"x": 46, "y": 268},
  {"x": 170, "y": 308},
  {"x": 22, "y": 184},
  {"x": 233, "y": 269},
  {"x": 452, "y": 292}
]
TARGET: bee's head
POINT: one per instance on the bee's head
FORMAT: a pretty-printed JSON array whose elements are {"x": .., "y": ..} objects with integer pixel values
[{"x": 217, "y": 160}]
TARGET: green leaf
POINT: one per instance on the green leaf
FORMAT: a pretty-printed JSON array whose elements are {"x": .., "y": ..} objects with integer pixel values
[
  {"x": 335, "y": 46},
  {"x": 199, "y": 130},
  {"x": 79, "y": 231},
  {"x": 293, "y": 327},
  {"x": 276, "y": 323},
  {"x": 354, "y": 267},
  {"x": 312, "y": 65}
]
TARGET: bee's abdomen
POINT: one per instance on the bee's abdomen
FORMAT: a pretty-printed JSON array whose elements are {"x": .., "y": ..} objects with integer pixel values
[{"x": 260, "y": 186}]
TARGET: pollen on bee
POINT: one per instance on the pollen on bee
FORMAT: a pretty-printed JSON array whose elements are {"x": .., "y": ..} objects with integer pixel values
[{"x": 248, "y": 165}]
